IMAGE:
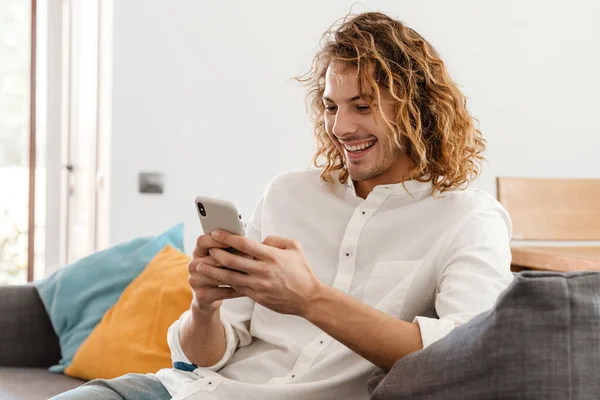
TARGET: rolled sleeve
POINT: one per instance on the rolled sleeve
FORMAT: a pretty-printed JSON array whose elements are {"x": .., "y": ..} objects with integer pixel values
[
  {"x": 180, "y": 360},
  {"x": 433, "y": 329},
  {"x": 476, "y": 270}
]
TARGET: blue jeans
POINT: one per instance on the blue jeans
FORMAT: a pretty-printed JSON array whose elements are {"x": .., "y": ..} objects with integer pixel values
[{"x": 126, "y": 387}]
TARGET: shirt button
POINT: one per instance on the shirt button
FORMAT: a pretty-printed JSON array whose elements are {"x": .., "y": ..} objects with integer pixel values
[
  {"x": 321, "y": 342},
  {"x": 363, "y": 213},
  {"x": 347, "y": 254},
  {"x": 293, "y": 376}
]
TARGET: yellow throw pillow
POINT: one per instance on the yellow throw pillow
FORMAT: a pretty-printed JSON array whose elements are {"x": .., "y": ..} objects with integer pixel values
[{"x": 132, "y": 336}]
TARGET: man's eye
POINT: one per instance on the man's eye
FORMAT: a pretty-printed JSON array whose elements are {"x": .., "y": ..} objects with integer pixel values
[{"x": 330, "y": 108}]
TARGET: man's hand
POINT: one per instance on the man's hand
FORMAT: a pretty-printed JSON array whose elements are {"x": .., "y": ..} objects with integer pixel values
[
  {"x": 207, "y": 295},
  {"x": 277, "y": 277}
]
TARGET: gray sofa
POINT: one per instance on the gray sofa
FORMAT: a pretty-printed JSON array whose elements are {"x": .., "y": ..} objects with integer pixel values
[
  {"x": 540, "y": 341},
  {"x": 28, "y": 346}
]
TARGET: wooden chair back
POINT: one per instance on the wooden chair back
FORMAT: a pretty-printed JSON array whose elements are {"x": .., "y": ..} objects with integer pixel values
[{"x": 552, "y": 209}]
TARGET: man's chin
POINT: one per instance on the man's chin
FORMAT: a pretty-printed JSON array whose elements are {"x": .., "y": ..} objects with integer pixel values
[
  {"x": 366, "y": 170},
  {"x": 361, "y": 176}
]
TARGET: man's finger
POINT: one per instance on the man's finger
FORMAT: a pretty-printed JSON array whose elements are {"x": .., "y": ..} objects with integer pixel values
[
  {"x": 194, "y": 262},
  {"x": 234, "y": 261},
  {"x": 243, "y": 291},
  {"x": 209, "y": 260},
  {"x": 205, "y": 242},
  {"x": 197, "y": 281},
  {"x": 210, "y": 295},
  {"x": 228, "y": 277},
  {"x": 242, "y": 244}
]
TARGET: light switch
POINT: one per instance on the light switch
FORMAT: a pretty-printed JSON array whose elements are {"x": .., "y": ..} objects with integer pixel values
[{"x": 151, "y": 182}]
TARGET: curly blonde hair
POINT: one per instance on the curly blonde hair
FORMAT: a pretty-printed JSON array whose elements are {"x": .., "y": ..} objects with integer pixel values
[{"x": 431, "y": 123}]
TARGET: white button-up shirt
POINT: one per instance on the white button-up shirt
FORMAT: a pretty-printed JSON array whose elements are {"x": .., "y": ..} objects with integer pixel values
[{"x": 401, "y": 250}]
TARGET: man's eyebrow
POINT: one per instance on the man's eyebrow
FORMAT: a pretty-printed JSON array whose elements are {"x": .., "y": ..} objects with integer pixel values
[{"x": 350, "y": 100}]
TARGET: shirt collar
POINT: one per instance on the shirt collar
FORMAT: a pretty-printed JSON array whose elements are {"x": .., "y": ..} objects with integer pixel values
[{"x": 410, "y": 191}]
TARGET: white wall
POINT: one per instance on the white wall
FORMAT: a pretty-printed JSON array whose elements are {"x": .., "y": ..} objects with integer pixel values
[{"x": 202, "y": 92}]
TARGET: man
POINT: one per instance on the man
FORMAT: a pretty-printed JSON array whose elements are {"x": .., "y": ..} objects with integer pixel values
[{"x": 343, "y": 265}]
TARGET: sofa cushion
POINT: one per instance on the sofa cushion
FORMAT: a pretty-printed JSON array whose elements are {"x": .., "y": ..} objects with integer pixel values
[
  {"x": 540, "y": 341},
  {"x": 33, "y": 383},
  {"x": 132, "y": 336},
  {"x": 77, "y": 295}
]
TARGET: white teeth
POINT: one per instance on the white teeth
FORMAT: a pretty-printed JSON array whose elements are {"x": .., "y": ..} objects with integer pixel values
[{"x": 360, "y": 146}]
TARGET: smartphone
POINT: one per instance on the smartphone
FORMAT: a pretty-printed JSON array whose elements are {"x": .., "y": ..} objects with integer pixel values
[{"x": 219, "y": 214}]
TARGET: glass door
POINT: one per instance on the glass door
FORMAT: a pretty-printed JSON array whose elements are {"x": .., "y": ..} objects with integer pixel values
[
  {"x": 18, "y": 142},
  {"x": 53, "y": 205}
]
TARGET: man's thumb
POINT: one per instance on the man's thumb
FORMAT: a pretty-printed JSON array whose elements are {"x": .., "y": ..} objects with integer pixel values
[{"x": 279, "y": 242}]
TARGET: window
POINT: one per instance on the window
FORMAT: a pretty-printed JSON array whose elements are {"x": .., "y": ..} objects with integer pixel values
[
  {"x": 17, "y": 133},
  {"x": 54, "y": 130}
]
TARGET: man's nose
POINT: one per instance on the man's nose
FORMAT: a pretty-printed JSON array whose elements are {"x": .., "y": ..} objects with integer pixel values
[{"x": 343, "y": 124}]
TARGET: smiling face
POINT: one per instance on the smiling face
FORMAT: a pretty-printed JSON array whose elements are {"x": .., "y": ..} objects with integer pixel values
[{"x": 360, "y": 133}]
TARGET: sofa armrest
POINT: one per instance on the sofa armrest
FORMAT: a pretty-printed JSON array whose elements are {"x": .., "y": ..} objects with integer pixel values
[{"x": 27, "y": 338}]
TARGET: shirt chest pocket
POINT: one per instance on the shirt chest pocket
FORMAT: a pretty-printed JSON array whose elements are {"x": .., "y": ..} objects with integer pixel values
[{"x": 389, "y": 283}]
